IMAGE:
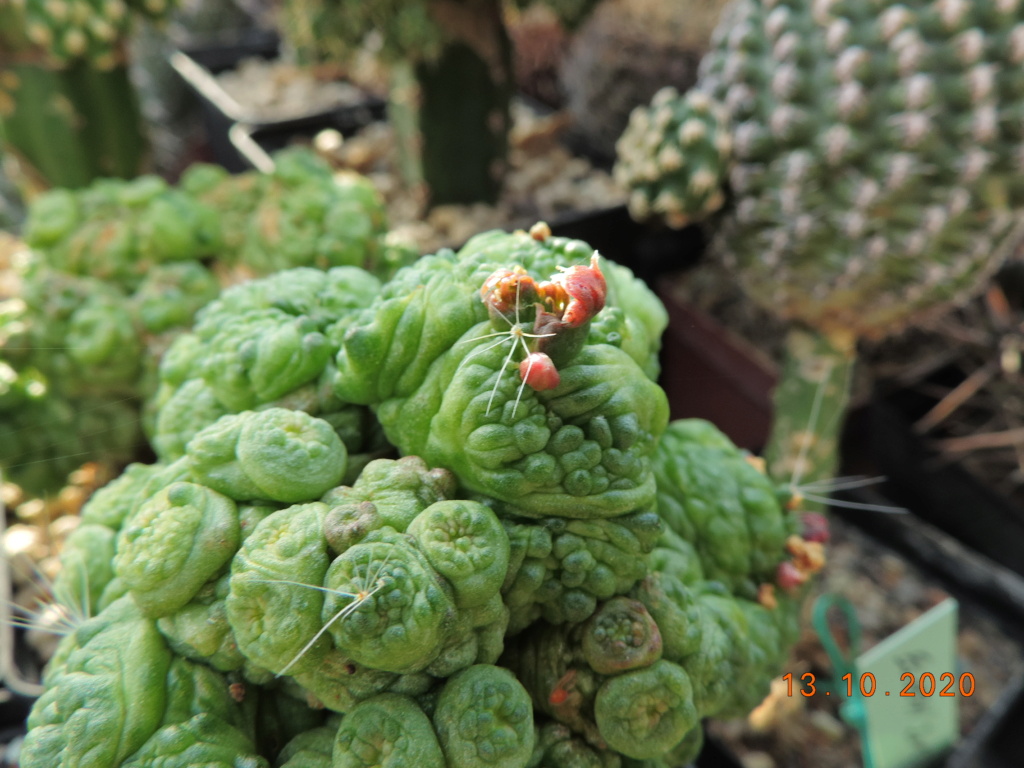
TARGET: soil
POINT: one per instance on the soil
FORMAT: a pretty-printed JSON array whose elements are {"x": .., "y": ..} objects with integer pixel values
[
  {"x": 545, "y": 181},
  {"x": 275, "y": 89}
]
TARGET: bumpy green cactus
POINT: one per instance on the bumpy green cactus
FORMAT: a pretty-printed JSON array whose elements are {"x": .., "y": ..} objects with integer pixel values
[
  {"x": 120, "y": 268},
  {"x": 657, "y": 588},
  {"x": 68, "y": 112},
  {"x": 301, "y": 214},
  {"x": 532, "y": 443},
  {"x": 266, "y": 343},
  {"x": 119, "y": 231},
  {"x": 83, "y": 344},
  {"x": 44, "y": 436},
  {"x": 875, "y": 171},
  {"x": 638, "y": 674}
]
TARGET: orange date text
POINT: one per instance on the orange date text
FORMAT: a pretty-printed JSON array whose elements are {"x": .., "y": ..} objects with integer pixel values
[{"x": 926, "y": 684}]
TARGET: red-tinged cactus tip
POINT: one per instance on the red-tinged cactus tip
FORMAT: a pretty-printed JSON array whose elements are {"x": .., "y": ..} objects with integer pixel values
[
  {"x": 538, "y": 372},
  {"x": 586, "y": 289},
  {"x": 564, "y": 695}
]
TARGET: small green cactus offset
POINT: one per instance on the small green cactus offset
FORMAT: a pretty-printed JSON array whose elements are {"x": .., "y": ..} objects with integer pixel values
[{"x": 674, "y": 157}]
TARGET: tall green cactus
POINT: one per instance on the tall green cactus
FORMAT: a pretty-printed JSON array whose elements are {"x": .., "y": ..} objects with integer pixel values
[
  {"x": 875, "y": 174},
  {"x": 68, "y": 112},
  {"x": 452, "y": 81}
]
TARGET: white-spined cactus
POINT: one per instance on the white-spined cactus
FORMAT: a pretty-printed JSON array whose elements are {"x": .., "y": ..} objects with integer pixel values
[
  {"x": 674, "y": 157},
  {"x": 878, "y": 152}
]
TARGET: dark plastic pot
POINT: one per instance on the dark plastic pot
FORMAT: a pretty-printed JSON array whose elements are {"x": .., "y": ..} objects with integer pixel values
[
  {"x": 995, "y": 741},
  {"x": 650, "y": 252},
  {"x": 715, "y": 755},
  {"x": 994, "y": 527},
  {"x": 254, "y": 144},
  {"x": 958, "y": 527},
  {"x": 198, "y": 66},
  {"x": 708, "y": 372}
]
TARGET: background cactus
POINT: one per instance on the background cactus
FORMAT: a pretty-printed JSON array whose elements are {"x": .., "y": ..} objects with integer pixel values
[
  {"x": 452, "y": 81},
  {"x": 68, "y": 112},
  {"x": 117, "y": 271},
  {"x": 876, "y": 175},
  {"x": 674, "y": 157}
]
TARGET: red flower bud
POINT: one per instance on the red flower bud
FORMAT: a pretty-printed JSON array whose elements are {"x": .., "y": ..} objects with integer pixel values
[
  {"x": 789, "y": 577},
  {"x": 815, "y": 527},
  {"x": 538, "y": 371}
]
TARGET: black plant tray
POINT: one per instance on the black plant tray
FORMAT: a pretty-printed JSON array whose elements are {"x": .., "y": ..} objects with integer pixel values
[
  {"x": 715, "y": 755},
  {"x": 649, "y": 251},
  {"x": 959, "y": 528},
  {"x": 254, "y": 144},
  {"x": 221, "y": 113},
  {"x": 996, "y": 741}
]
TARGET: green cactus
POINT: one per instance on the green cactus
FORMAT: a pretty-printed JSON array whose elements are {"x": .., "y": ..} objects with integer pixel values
[
  {"x": 637, "y": 675},
  {"x": 250, "y": 591},
  {"x": 68, "y": 112},
  {"x": 452, "y": 81},
  {"x": 674, "y": 156},
  {"x": 118, "y": 270},
  {"x": 875, "y": 176},
  {"x": 103, "y": 282},
  {"x": 301, "y": 214},
  {"x": 45, "y": 436}
]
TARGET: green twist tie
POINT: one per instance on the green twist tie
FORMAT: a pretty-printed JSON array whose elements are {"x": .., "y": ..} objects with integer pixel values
[{"x": 843, "y": 662}]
